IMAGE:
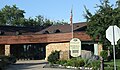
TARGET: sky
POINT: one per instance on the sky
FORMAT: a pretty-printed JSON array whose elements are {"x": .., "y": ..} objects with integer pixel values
[{"x": 55, "y": 9}]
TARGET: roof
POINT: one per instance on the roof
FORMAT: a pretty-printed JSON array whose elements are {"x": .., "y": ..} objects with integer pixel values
[
  {"x": 63, "y": 28},
  {"x": 56, "y": 33},
  {"x": 11, "y": 30},
  {"x": 19, "y": 28}
]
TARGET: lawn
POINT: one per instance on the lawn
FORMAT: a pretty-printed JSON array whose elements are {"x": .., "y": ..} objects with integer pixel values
[{"x": 112, "y": 62}]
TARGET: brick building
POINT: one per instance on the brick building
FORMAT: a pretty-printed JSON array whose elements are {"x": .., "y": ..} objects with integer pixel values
[{"x": 38, "y": 43}]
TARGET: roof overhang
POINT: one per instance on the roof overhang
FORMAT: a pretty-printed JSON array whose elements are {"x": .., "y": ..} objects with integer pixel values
[{"x": 43, "y": 38}]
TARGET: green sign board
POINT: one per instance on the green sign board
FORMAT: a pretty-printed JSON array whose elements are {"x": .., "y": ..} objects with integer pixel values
[{"x": 75, "y": 47}]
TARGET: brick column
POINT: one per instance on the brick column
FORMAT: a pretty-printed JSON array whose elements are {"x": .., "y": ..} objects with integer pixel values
[
  {"x": 100, "y": 48},
  {"x": 7, "y": 50},
  {"x": 63, "y": 47}
]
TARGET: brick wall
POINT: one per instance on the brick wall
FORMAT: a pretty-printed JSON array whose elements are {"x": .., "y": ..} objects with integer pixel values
[{"x": 63, "y": 47}]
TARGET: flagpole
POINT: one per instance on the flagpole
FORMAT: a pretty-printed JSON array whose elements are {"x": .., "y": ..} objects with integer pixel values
[
  {"x": 71, "y": 27},
  {"x": 72, "y": 30},
  {"x": 71, "y": 22}
]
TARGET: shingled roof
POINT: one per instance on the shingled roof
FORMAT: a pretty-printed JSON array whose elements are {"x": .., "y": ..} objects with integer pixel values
[
  {"x": 63, "y": 28},
  {"x": 55, "y": 33},
  {"x": 11, "y": 30}
]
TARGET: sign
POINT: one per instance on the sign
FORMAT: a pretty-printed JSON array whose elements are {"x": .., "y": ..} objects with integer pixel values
[
  {"x": 75, "y": 47},
  {"x": 113, "y": 34}
]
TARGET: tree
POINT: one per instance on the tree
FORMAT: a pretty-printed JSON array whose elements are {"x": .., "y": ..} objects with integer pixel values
[
  {"x": 59, "y": 22},
  {"x": 29, "y": 22},
  {"x": 41, "y": 21},
  {"x": 37, "y": 21},
  {"x": 105, "y": 16},
  {"x": 11, "y": 15},
  {"x": 2, "y": 21},
  {"x": 118, "y": 3}
]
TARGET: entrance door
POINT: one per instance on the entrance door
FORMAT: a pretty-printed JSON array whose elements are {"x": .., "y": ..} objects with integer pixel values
[{"x": 29, "y": 51}]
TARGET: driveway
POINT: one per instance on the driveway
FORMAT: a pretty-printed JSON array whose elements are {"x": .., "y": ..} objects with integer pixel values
[{"x": 30, "y": 65}]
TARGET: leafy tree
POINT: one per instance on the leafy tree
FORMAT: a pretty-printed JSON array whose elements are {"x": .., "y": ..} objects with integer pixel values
[
  {"x": 118, "y": 3},
  {"x": 29, "y": 22},
  {"x": 98, "y": 23},
  {"x": 11, "y": 15},
  {"x": 37, "y": 21},
  {"x": 59, "y": 22},
  {"x": 41, "y": 21},
  {"x": 2, "y": 21}
]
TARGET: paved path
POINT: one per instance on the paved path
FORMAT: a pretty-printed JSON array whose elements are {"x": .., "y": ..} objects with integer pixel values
[{"x": 30, "y": 65}]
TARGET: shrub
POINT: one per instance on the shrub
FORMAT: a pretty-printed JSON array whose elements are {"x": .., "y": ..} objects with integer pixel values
[
  {"x": 53, "y": 57},
  {"x": 95, "y": 64},
  {"x": 12, "y": 59},
  {"x": 8, "y": 59},
  {"x": 62, "y": 62},
  {"x": 69, "y": 63},
  {"x": 5, "y": 60},
  {"x": 79, "y": 63},
  {"x": 104, "y": 54},
  {"x": 87, "y": 62},
  {"x": 75, "y": 62}
]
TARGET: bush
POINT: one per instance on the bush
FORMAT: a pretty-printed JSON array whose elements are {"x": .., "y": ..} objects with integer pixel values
[
  {"x": 8, "y": 59},
  {"x": 5, "y": 60},
  {"x": 62, "y": 62},
  {"x": 53, "y": 57},
  {"x": 69, "y": 63},
  {"x": 104, "y": 54},
  {"x": 75, "y": 62},
  {"x": 95, "y": 64},
  {"x": 12, "y": 59}
]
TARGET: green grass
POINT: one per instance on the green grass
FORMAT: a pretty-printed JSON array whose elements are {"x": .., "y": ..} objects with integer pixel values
[
  {"x": 112, "y": 62},
  {"x": 110, "y": 65}
]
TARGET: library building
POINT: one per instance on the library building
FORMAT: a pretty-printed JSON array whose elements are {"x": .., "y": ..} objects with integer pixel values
[{"x": 36, "y": 43}]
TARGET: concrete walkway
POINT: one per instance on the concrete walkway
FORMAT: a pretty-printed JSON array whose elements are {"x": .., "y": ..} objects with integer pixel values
[{"x": 30, "y": 65}]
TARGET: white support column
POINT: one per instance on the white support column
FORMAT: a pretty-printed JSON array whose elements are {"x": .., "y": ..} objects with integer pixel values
[
  {"x": 7, "y": 50},
  {"x": 95, "y": 49}
]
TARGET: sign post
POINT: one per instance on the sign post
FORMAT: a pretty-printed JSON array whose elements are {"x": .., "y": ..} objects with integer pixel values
[
  {"x": 75, "y": 47},
  {"x": 113, "y": 35}
]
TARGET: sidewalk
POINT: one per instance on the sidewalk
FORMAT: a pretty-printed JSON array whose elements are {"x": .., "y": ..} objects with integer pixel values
[{"x": 31, "y": 65}]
